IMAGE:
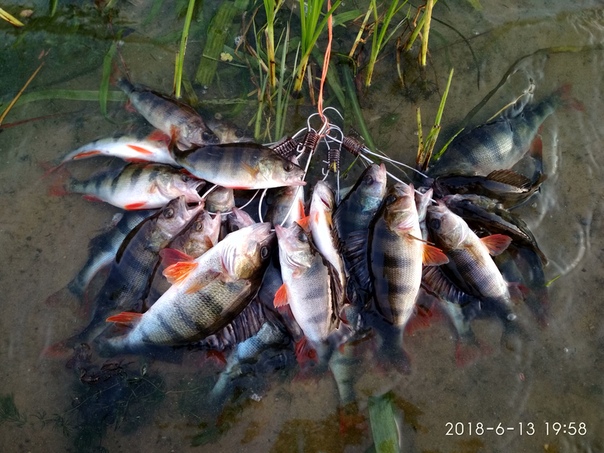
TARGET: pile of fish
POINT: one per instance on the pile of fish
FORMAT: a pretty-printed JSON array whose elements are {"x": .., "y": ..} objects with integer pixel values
[{"x": 187, "y": 267}]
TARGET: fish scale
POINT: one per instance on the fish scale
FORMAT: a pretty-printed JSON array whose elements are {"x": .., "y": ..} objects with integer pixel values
[
  {"x": 138, "y": 186},
  {"x": 396, "y": 256}
]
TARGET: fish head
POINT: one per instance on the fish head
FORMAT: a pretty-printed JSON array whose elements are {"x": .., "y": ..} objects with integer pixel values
[
  {"x": 423, "y": 197},
  {"x": 220, "y": 199},
  {"x": 372, "y": 182},
  {"x": 322, "y": 198},
  {"x": 281, "y": 171},
  {"x": 400, "y": 211},
  {"x": 228, "y": 132},
  {"x": 202, "y": 234},
  {"x": 248, "y": 250},
  {"x": 238, "y": 219},
  {"x": 176, "y": 215},
  {"x": 188, "y": 185},
  {"x": 196, "y": 132},
  {"x": 449, "y": 229},
  {"x": 295, "y": 250}
]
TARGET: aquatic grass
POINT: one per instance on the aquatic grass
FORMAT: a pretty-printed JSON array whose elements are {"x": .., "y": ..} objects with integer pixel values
[
  {"x": 271, "y": 7},
  {"x": 355, "y": 106},
  {"x": 9, "y": 411},
  {"x": 426, "y": 29},
  {"x": 20, "y": 93},
  {"x": 217, "y": 35},
  {"x": 311, "y": 29},
  {"x": 105, "y": 79},
  {"x": 180, "y": 56},
  {"x": 383, "y": 424},
  {"x": 52, "y": 10},
  {"x": 426, "y": 149},
  {"x": 10, "y": 18},
  {"x": 379, "y": 38}
]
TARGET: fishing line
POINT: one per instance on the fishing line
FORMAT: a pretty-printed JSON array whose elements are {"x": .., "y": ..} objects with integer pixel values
[{"x": 260, "y": 205}]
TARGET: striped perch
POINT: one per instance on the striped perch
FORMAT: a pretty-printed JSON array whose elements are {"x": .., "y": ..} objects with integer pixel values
[{"x": 138, "y": 186}]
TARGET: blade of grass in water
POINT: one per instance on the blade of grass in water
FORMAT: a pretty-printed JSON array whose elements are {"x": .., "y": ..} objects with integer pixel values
[
  {"x": 217, "y": 35},
  {"x": 311, "y": 29},
  {"x": 356, "y": 108},
  {"x": 53, "y": 7},
  {"x": 282, "y": 104},
  {"x": 433, "y": 135},
  {"x": 19, "y": 94},
  {"x": 378, "y": 40},
  {"x": 426, "y": 33},
  {"x": 180, "y": 57},
  {"x": 10, "y": 18},
  {"x": 383, "y": 425},
  {"x": 104, "y": 86}
]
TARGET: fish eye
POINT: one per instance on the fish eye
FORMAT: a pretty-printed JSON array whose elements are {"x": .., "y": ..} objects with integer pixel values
[
  {"x": 390, "y": 199},
  {"x": 369, "y": 180},
  {"x": 264, "y": 252},
  {"x": 302, "y": 237},
  {"x": 288, "y": 166},
  {"x": 239, "y": 133},
  {"x": 185, "y": 178},
  {"x": 435, "y": 224},
  {"x": 207, "y": 136},
  {"x": 199, "y": 225},
  {"x": 169, "y": 213}
]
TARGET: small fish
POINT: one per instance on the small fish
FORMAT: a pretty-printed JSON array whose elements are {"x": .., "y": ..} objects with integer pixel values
[
  {"x": 499, "y": 144},
  {"x": 324, "y": 235},
  {"x": 506, "y": 186},
  {"x": 179, "y": 121},
  {"x": 206, "y": 294},
  {"x": 487, "y": 215},
  {"x": 241, "y": 166},
  {"x": 136, "y": 186},
  {"x": 352, "y": 218},
  {"x": 130, "y": 148},
  {"x": 396, "y": 253},
  {"x": 471, "y": 267},
  {"x": 309, "y": 286},
  {"x": 103, "y": 249}
]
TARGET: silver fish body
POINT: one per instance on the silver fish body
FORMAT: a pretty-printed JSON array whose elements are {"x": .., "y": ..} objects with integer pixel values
[
  {"x": 471, "y": 266},
  {"x": 177, "y": 120},
  {"x": 308, "y": 285},
  {"x": 498, "y": 144},
  {"x": 241, "y": 166},
  {"x": 139, "y": 186},
  {"x": 396, "y": 255},
  {"x": 129, "y": 148}
]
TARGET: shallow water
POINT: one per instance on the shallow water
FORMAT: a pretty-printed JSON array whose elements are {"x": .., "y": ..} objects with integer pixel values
[{"x": 553, "y": 376}]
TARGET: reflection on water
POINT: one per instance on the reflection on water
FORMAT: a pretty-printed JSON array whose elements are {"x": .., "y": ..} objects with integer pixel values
[{"x": 552, "y": 376}]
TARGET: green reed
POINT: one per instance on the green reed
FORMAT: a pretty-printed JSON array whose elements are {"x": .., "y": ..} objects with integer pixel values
[
  {"x": 311, "y": 30},
  {"x": 380, "y": 28},
  {"x": 180, "y": 56}
]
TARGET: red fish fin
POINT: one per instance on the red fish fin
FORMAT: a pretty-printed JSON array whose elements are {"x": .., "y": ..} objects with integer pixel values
[
  {"x": 433, "y": 256},
  {"x": 496, "y": 243},
  {"x": 280, "y": 299},
  {"x": 564, "y": 93},
  {"x": 466, "y": 354},
  {"x": 91, "y": 198},
  {"x": 140, "y": 149},
  {"x": 86, "y": 154},
  {"x": 536, "y": 149},
  {"x": 159, "y": 136},
  {"x": 125, "y": 317},
  {"x": 216, "y": 356},
  {"x": 178, "y": 272},
  {"x": 304, "y": 222},
  {"x": 135, "y": 206},
  {"x": 172, "y": 256},
  {"x": 305, "y": 353},
  {"x": 59, "y": 177}
]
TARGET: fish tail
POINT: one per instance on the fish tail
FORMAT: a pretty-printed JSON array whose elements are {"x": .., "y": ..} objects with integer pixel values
[
  {"x": 61, "y": 181},
  {"x": 562, "y": 96}
]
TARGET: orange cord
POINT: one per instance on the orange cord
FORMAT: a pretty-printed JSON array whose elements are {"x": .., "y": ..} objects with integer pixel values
[{"x": 326, "y": 58}]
